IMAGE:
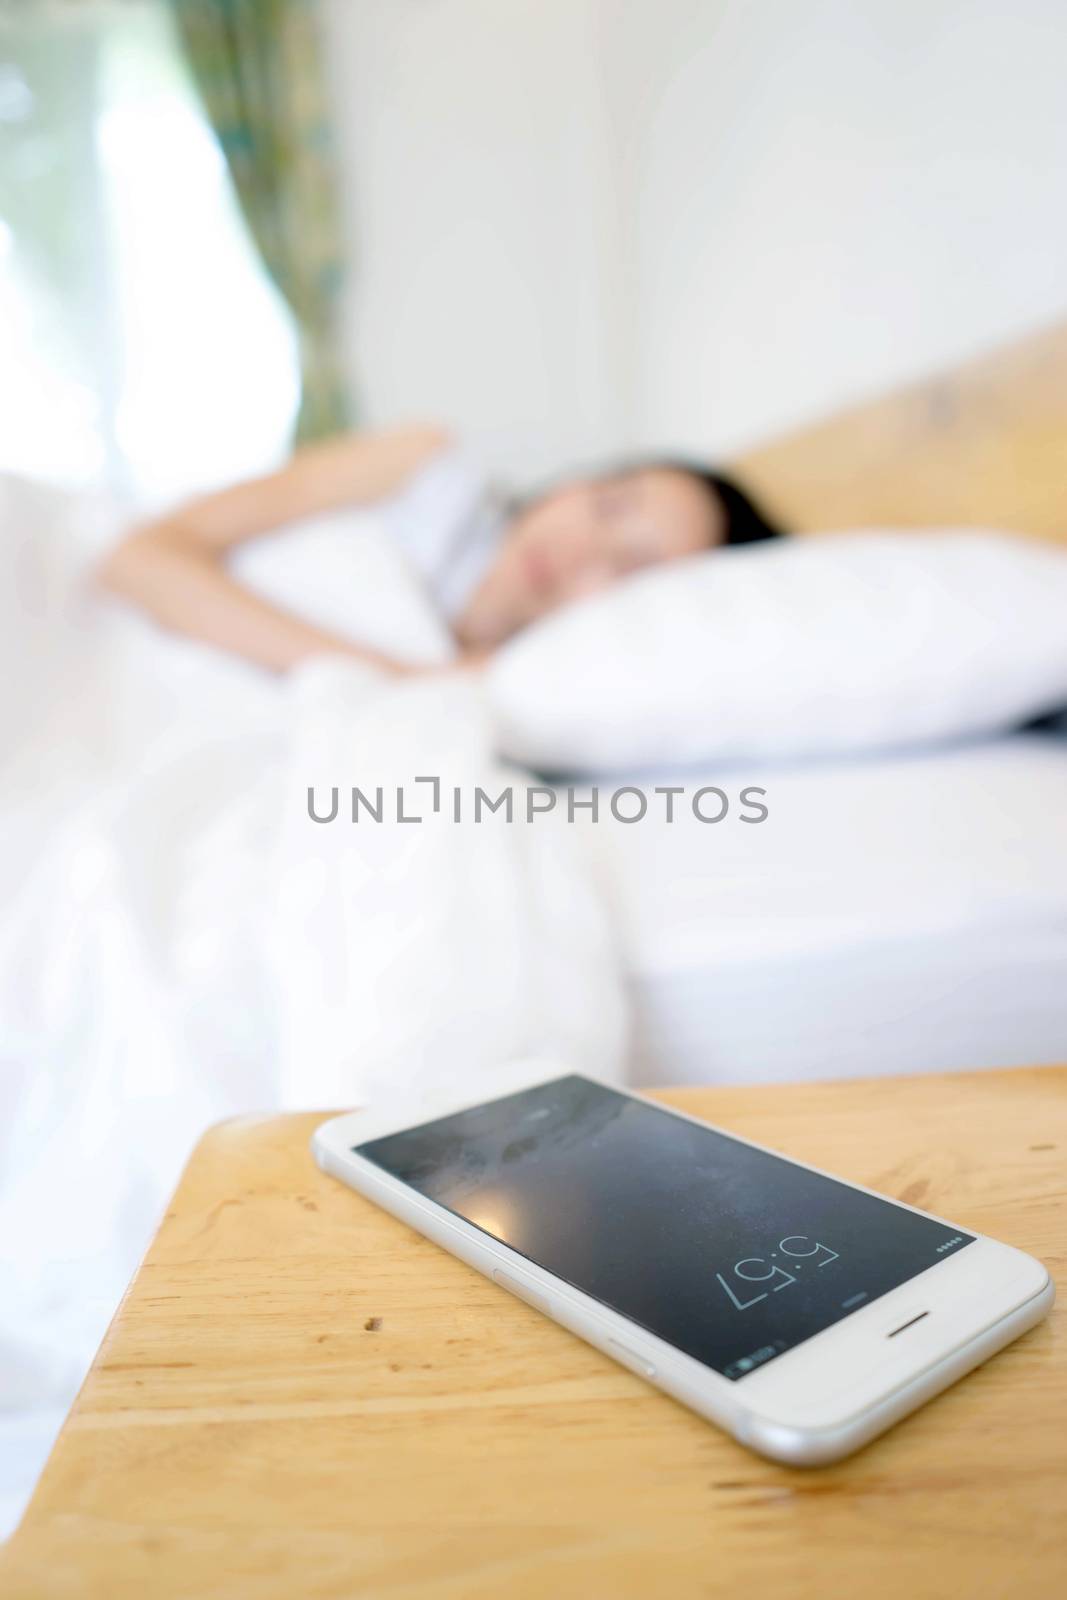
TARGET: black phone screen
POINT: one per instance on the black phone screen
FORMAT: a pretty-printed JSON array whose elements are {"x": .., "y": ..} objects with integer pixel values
[{"x": 731, "y": 1254}]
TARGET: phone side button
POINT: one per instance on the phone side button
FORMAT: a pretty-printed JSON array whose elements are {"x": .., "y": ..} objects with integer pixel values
[
  {"x": 520, "y": 1290},
  {"x": 629, "y": 1358}
]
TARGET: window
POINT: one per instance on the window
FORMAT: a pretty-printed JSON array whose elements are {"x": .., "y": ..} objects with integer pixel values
[{"x": 142, "y": 346}]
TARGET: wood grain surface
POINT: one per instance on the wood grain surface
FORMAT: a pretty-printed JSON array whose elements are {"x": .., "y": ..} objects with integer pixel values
[
  {"x": 982, "y": 445},
  {"x": 300, "y": 1398}
]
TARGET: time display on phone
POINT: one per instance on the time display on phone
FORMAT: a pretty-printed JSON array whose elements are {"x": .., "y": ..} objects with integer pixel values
[
  {"x": 730, "y": 1253},
  {"x": 777, "y": 1272}
]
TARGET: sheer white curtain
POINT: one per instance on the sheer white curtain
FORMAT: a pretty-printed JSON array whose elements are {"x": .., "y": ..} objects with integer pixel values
[{"x": 142, "y": 347}]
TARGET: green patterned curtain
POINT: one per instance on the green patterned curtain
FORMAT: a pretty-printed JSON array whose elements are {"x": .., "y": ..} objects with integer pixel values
[{"x": 256, "y": 64}]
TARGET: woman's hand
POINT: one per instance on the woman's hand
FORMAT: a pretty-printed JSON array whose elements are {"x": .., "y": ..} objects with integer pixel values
[
  {"x": 472, "y": 660},
  {"x": 465, "y": 661}
]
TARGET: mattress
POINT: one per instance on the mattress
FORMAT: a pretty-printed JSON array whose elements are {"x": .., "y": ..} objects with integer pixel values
[{"x": 890, "y": 915}]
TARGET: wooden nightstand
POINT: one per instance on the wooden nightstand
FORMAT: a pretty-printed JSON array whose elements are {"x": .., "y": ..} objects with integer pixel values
[{"x": 300, "y": 1398}]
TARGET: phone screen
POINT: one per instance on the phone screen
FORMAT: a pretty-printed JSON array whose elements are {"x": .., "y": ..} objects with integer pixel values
[{"x": 733, "y": 1255}]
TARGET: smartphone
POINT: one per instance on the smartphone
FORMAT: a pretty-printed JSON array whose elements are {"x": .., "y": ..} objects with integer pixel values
[{"x": 803, "y": 1314}]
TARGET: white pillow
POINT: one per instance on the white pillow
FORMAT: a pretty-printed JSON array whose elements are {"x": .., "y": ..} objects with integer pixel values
[
  {"x": 809, "y": 646},
  {"x": 344, "y": 572}
]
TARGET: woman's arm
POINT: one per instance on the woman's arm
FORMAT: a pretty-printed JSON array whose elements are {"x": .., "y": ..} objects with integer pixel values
[{"x": 175, "y": 568}]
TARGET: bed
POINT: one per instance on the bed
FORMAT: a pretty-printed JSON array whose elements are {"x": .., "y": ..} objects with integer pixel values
[
  {"x": 894, "y": 915},
  {"x": 891, "y": 916}
]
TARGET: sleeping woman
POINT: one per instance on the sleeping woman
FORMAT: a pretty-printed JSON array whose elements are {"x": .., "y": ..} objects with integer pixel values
[{"x": 493, "y": 568}]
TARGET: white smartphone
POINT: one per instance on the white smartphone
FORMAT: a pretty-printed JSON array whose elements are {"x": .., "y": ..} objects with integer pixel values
[{"x": 801, "y": 1313}]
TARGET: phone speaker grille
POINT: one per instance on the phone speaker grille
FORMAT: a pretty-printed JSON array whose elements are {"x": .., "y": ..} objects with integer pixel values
[{"x": 909, "y": 1324}]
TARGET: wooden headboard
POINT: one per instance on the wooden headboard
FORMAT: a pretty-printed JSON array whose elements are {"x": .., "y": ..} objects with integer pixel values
[{"x": 984, "y": 445}]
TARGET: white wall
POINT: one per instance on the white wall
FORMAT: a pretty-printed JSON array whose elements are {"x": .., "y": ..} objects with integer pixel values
[
  {"x": 585, "y": 224},
  {"x": 834, "y": 195},
  {"x": 480, "y": 197}
]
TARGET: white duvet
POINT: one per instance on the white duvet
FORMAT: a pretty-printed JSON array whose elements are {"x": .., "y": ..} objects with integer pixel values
[{"x": 180, "y": 942}]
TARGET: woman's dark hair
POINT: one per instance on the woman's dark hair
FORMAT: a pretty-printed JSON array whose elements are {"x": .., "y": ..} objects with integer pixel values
[{"x": 744, "y": 522}]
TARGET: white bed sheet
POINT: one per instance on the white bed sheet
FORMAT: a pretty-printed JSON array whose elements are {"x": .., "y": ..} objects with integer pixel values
[{"x": 891, "y": 915}]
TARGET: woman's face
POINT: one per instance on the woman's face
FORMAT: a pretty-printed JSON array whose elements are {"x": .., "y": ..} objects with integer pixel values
[{"x": 580, "y": 538}]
